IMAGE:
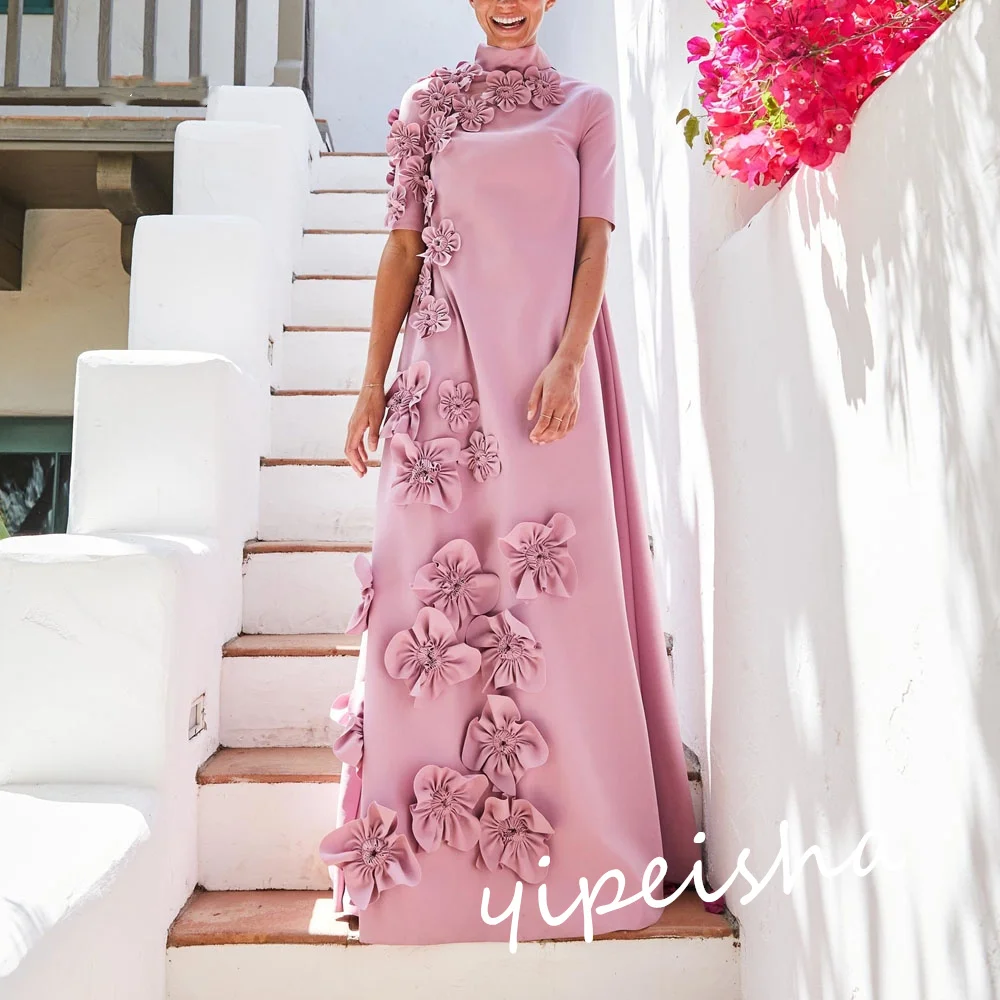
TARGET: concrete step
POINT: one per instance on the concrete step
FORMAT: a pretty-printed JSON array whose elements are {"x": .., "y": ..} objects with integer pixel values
[
  {"x": 309, "y": 423},
  {"x": 332, "y": 302},
  {"x": 340, "y": 253},
  {"x": 261, "y": 814},
  {"x": 351, "y": 210},
  {"x": 277, "y": 690},
  {"x": 289, "y": 786},
  {"x": 326, "y": 501},
  {"x": 322, "y": 359},
  {"x": 357, "y": 171},
  {"x": 303, "y": 587},
  {"x": 259, "y": 945}
]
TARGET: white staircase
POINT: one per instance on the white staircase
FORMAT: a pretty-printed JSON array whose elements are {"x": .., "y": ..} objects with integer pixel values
[{"x": 260, "y": 924}]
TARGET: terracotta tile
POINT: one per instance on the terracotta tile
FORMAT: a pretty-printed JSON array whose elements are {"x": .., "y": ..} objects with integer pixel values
[
  {"x": 293, "y": 645},
  {"x": 267, "y": 765},
  {"x": 257, "y": 547}
]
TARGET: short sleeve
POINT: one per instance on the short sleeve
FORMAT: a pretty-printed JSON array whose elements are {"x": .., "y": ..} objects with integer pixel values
[
  {"x": 597, "y": 152},
  {"x": 412, "y": 216}
]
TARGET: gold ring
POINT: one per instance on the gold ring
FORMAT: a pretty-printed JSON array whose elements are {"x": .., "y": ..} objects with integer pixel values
[{"x": 558, "y": 420}]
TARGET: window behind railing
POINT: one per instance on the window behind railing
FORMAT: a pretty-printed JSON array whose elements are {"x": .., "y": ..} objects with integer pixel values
[{"x": 34, "y": 474}]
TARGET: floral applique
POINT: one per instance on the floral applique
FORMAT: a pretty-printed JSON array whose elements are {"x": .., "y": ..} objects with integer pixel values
[
  {"x": 454, "y": 582},
  {"x": 514, "y": 834},
  {"x": 442, "y": 242},
  {"x": 350, "y": 745},
  {"x": 428, "y": 657},
  {"x": 500, "y": 745},
  {"x": 482, "y": 457},
  {"x": 433, "y": 316},
  {"x": 438, "y": 131},
  {"x": 539, "y": 559},
  {"x": 410, "y": 173},
  {"x": 507, "y": 89},
  {"x": 372, "y": 856},
  {"x": 457, "y": 405},
  {"x": 426, "y": 472},
  {"x": 545, "y": 87},
  {"x": 359, "y": 620},
  {"x": 402, "y": 413},
  {"x": 438, "y": 96},
  {"x": 405, "y": 139},
  {"x": 396, "y": 205},
  {"x": 512, "y": 656},
  {"x": 445, "y": 808},
  {"x": 473, "y": 113}
]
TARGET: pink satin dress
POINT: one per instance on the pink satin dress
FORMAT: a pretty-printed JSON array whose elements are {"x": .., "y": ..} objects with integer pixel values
[{"x": 513, "y": 719}]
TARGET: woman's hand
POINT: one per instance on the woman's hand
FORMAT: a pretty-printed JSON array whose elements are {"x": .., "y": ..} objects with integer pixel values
[
  {"x": 556, "y": 399},
  {"x": 366, "y": 418}
]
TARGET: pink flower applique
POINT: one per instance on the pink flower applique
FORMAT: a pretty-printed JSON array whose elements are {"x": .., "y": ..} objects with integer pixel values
[
  {"x": 350, "y": 745},
  {"x": 428, "y": 657},
  {"x": 457, "y": 405},
  {"x": 438, "y": 131},
  {"x": 445, "y": 810},
  {"x": 359, "y": 620},
  {"x": 396, "y": 205},
  {"x": 411, "y": 173},
  {"x": 482, "y": 457},
  {"x": 462, "y": 75},
  {"x": 405, "y": 139},
  {"x": 507, "y": 90},
  {"x": 501, "y": 746},
  {"x": 426, "y": 472},
  {"x": 512, "y": 656},
  {"x": 454, "y": 583},
  {"x": 514, "y": 834},
  {"x": 430, "y": 196},
  {"x": 442, "y": 243},
  {"x": 425, "y": 283},
  {"x": 473, "y": 113},
  {"x": 432, "y": 317},
  {"x": 539, "y": 558},
  {"x": 545, "y": 86},
  {"x": 393, "y": 116},
  {"x": 371, "y": 855},
  {"x": 401, "y": 414},
  {"x": 438, "y": 95}
]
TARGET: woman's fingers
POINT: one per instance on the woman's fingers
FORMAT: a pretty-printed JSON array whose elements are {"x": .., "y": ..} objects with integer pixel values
[{"x": 535, "y": 398}]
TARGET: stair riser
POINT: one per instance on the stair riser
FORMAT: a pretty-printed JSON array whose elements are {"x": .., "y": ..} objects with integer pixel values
[
  {"x": 293, "y": 593},
  {"x": 333, "y": 253},
  {"x": 327, "y": 359},
  {"x": 272, "y": 701},
  {"x": 329, "y": 302},
  {"x": 310, "y": 426},
  {"x": 342, "y": 173},
  {"x": 681, "y": 968},
  {"x": 276, "y": 851},
  {"x": 346, "y": 211},
  {"x": 321, "y": 503}
]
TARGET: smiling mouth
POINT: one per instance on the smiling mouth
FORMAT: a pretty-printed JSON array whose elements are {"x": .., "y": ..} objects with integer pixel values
[{"x": 508, "y": 23}]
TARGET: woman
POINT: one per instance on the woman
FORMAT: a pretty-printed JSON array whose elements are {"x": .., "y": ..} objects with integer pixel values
[{"x": 513, "y": 719}]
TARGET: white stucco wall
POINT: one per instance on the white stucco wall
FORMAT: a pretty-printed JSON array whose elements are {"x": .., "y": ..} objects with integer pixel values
[
  {"x": 74, "y": 298},
  {"x": 827, "y": 417}
]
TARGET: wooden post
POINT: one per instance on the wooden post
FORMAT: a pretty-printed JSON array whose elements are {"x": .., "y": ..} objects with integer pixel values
[
  {"x": 240, "y": 51},
  {"x": 57, "y": 71},
  {"x": 149, "y": 42},
  {"x": 12, "y": 65},
  {"x": 11, "y": 245},
  {"x": 104, "y": 44},
  {"x": 194, "y": 41},
  {"x": 289, "y": 70}
]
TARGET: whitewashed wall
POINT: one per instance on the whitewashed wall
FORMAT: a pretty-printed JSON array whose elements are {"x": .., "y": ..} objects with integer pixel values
[
  {"x": 829, "y": 417},
  {"x": 74, "y": 299}
]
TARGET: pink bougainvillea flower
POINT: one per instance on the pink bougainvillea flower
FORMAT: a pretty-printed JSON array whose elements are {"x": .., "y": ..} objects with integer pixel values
[
  {"x": 428, "y": 657},
  {"x": 405, "y": 139},
  {"x": 402, "y": 415},
  {"x": 438, "y": 131},
  {"x": 699, "y": 48},
  {"x": 539, "y": 558},
  {"x": 412, "y": 172},
  {"x": 501, "y": 746},
  {"x": 545, "y": 86},
  {"x": 445, "y": 810},
  {"x": 454, "y": 583},
  {"x": 350, "y": 745},
  {"x": 438, "y": 95},
  {"x": 482, "y": 457},
  {"x": 371, "y": 855},
  {"x": 359, "y": 620},
  {"x": 514, "y": 834},
  {"x": 442, "y": 243},
  {"x": 426, "y": 472},
  {"x": 512, "y": 657},
  {"x": 507, "y": 90},
  {"x": 433, "y": 316},
  {"x": 473, "y": 113},
  {"x": 457, "y": 405},
  {"x": 396, "y": 205}
]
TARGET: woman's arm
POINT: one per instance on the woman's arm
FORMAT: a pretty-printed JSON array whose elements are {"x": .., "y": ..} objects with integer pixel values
[
  {"x": 398, "y": 272},
  {"x": 556, "y": 395}
]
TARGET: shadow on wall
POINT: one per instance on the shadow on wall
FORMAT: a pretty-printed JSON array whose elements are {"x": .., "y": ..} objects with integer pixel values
[{"x": 848, "y": 343}]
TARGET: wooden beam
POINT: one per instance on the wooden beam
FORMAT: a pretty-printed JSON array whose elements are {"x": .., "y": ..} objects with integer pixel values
[
  {"x": 57, "y": 64},
  {"x": 12, "y": 59},
  {"x": 128, "y": 192},
  {"x": 11, "y": 245},
  {"x": 240, "y": 46}
]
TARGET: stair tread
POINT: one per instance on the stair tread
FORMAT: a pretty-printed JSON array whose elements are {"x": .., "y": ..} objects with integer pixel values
[
  {"x": 294, "y": 916},
  {"x": 327, "y": 153},
  {"x": 269, "y": 765},
  {"x": 259, "y": 547},
  {"x": 337, "y": 463},
  {"x": 382, "y": 191},
  {"x": 315, "y": 392},
  {"x": 325, "y": 644}
]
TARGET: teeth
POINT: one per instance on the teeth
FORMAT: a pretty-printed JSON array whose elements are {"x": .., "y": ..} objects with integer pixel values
[{"x": 509, "y": 22}]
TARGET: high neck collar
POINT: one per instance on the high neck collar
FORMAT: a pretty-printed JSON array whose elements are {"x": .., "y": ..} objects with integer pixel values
[{"x": 492, "y": 57}]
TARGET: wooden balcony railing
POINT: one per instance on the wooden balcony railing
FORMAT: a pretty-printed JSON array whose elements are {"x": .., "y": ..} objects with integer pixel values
[{"x": 293, "y": 67}]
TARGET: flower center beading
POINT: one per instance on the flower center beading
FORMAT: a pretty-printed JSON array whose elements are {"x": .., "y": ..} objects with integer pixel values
[
  {"x": 374, "y": 852},
  {"x": 425, "y": 472},
  {"x": 537, "y": 555}
]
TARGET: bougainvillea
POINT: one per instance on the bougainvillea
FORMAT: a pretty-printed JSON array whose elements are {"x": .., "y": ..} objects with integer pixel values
[{"x": 783, "y": 79}]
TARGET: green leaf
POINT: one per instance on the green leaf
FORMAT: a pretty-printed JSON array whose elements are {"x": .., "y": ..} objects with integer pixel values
[
  {"x": 681, "y": 115},
  {"x": 691, "y": 130},
  {"x": 718, "y": 25},
  {"x": 709, "y": 141}
]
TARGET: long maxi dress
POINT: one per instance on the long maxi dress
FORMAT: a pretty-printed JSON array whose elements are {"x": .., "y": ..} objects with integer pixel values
[{"x": 513, "y": 718}]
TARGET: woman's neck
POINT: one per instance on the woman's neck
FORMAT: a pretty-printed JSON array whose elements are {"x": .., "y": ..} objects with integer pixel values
[{"x": 492, "y": 57}]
